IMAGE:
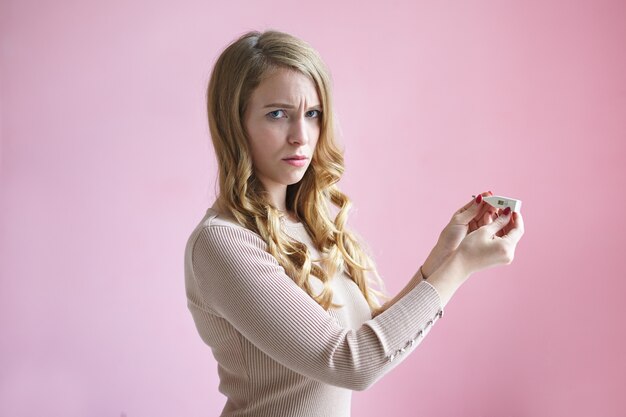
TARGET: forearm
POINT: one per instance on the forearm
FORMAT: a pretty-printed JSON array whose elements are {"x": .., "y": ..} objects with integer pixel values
[
  {"x": 435, "y": 259},
  {"x": 446, "y": 279},
  {"x": 417, "y": 278}
]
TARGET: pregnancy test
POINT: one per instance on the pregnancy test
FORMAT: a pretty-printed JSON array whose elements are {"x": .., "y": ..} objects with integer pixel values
[{"x": 501, "y": 202}]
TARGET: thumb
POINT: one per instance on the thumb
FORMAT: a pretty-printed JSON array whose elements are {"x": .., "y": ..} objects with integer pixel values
[
  {"x": 468, "y": 212},
  {"x": 499, "y": 223}
]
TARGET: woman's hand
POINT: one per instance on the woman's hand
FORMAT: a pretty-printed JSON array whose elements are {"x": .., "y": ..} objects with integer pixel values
[
  {"x": 492, "y": 244},
  {"x": 467, "y": 219}
]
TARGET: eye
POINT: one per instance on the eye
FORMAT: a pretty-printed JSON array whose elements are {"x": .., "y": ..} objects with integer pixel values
[
  {"x": 275, "y": 114},
  {"x": 319, "y": 113}
]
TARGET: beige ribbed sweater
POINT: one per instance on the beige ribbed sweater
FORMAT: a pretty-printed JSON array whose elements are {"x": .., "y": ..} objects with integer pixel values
[{"x": 278, "y": 352}]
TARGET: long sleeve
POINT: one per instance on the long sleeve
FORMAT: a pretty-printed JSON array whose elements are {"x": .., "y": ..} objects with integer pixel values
[{"x": 241, "y": 282}]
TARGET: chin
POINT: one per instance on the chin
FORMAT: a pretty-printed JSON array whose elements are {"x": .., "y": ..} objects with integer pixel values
[{"x": 294, "y": 181}]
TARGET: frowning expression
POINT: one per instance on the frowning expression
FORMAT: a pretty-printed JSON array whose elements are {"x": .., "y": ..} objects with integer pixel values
[{"x": 282, "y": 121}]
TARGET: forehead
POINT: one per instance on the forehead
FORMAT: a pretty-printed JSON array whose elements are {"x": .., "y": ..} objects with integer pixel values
[{"x": 285, "y": 85}]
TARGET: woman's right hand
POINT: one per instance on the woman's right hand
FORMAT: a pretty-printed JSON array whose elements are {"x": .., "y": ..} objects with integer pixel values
[{"x": 492, "y": 244}]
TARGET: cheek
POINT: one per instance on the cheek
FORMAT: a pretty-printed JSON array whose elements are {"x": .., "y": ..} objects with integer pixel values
[
  {"x": 261, "y": 138},
  {"x": 263, "y": 148},
  {"x": 315, "y": 135},
  {"x": 260, "y": 153},
  {"x": 268, "y": 133}
]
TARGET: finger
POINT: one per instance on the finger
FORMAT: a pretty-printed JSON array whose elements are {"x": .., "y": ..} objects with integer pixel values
[
  {"x": 511, "y": 225},
  {"x": 472, "y": 226},
  {"x": 468, "y": 215},
  {"x": 472, "y": 201},
  {"x": 488, "y": 207},
  {"x": 502, "y": 232},
  {"x": 517, "y": 229},
  {"x": 470, "y": 212},
  {"x": 483, "y": 214},
  {"x": 498, "y": 224},
  {"x": 486, "y": 219},
  {"x": 480, "y": 219},
  {"x": 499, "y": 213}
]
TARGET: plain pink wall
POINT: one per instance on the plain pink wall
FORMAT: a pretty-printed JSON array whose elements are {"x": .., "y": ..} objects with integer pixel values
[{"x": 106, "y": 167}]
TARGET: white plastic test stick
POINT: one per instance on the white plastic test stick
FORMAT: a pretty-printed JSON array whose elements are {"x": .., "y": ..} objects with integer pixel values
[{"x": 501, "y": 202}]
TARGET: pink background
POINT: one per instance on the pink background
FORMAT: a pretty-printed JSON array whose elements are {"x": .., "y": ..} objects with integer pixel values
[{"x": 106, "y": 167}]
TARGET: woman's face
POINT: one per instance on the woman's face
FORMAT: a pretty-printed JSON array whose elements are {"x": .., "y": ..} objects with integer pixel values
[{"x": 282, "y": 120}]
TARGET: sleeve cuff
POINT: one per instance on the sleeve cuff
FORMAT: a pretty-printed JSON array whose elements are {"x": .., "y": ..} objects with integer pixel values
[{"x": 403, "y": 324}]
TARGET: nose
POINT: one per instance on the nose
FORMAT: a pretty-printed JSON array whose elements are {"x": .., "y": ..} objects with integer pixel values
[{"x": 298, "y": 133}]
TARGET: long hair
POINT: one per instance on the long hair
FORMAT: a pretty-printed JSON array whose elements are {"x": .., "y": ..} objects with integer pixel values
[{"x": 240, "y": 68}]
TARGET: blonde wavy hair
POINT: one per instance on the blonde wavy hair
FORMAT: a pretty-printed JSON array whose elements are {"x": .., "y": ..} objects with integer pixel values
[{"x": 240, "y": 68}]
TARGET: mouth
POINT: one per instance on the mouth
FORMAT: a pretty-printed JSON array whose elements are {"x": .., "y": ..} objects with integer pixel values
[
  {"x": 296, "y": 162},
  {"x": 295, "y": 158}
]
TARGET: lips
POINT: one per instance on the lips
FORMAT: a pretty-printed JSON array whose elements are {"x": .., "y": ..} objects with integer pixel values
[{"x": 295, "y": 158}]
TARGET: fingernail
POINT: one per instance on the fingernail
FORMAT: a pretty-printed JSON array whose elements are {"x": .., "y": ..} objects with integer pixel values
[
  {"x": 479, "y": 198},
  {"x": 490, "y": 192},
  {"x": 507, "y": 211}
]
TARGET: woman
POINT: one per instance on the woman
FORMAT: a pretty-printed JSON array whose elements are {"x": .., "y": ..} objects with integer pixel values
[{"x": 277, "y": 285}]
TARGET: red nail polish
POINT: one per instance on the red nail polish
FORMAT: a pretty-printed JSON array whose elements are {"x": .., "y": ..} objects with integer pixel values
[
  {"x": 507, "y": 211},
  {"x": 479, "y": 198}
]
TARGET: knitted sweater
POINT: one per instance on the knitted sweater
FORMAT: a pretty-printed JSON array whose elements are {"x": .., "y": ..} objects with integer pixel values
[{"x": 279, "y": 353}]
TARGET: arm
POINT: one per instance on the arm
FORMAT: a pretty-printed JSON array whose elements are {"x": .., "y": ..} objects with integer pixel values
[
  {"x": 447, "y": 267},
  {"x": 239, "y": 280},
  {"x": 417, "y": 278},
  {"x": 467, "y": 219},
  {"x": 489, "y": 245},
  {"x": 449, "y": 276}
]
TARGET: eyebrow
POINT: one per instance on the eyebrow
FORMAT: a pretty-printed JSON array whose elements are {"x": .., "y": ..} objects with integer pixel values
[{"x": 289, "y": 106}]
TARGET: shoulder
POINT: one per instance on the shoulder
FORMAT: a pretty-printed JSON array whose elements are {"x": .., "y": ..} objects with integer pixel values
[
  {"x": 215, "y": 225},
  {"x": 220, "y": 237},
  {"x": 227, "y": 257},
  {"x": 214, "y": 218}
]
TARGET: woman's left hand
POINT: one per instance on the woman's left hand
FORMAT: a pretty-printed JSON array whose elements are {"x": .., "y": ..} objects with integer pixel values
[{"x": 468, "y": 218}]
